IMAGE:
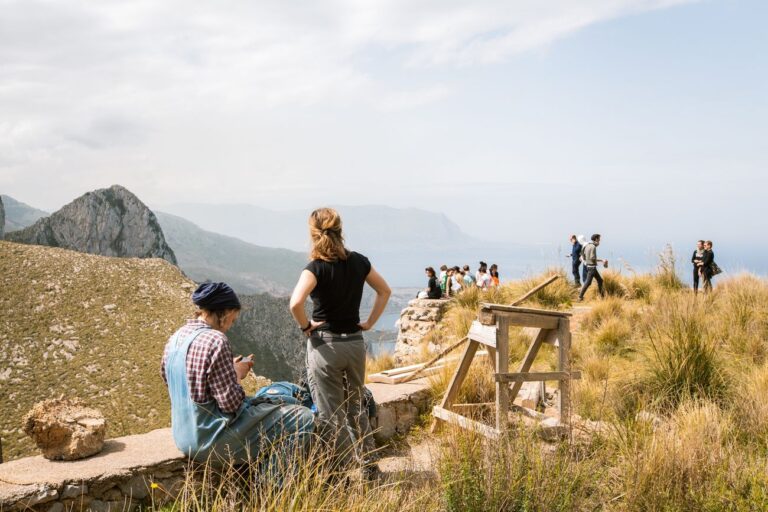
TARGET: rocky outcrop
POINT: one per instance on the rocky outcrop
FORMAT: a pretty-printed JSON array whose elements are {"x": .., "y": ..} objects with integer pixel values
[
  {"x": 2, "y": 219},
  {"x": 416, "y": 321},
  {"x": 65, "y": 429},
  {"x": 108, "y": 222}
]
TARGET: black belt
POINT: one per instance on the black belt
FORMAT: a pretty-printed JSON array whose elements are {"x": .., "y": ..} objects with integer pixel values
[{"x": 334, "y": 336}]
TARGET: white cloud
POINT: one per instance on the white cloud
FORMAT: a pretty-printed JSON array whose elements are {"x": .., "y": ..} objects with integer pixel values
[{"x": 83, "y": 76}]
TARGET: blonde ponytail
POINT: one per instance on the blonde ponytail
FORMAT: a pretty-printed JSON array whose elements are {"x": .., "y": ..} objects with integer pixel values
[{"x": 325, "y": 234}]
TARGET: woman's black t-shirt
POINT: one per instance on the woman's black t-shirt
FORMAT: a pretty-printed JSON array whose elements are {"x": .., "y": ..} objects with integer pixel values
[
  {"x": 336, "y": 298},
  {"x": 434, "y": 291}
]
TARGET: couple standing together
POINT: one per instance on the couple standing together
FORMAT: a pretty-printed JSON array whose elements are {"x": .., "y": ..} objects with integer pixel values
[{"x": 211, "y": 415}]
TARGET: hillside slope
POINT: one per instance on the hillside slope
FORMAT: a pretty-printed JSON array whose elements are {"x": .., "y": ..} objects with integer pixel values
[
  {"x": 109, "y": 222},
  {"x": 246, "y": 267},
  {"x": 86, "y": 326}
]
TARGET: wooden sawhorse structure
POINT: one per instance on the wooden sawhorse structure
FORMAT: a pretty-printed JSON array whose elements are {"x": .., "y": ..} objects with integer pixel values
[{"x": 492, "y": 330}]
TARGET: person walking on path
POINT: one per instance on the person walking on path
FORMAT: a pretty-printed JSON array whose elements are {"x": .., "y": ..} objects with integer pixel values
[
  {"x": 575, "y": 260},
  {"x": 707, "y": 262},
  {"x": 696, "y": 259},
  {"x": 211, "y": 417},
  {"x": 334, "y": 279},
  {"x": 589, "y": 256}
]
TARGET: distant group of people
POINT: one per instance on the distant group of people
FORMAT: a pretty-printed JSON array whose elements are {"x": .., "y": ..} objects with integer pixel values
[
  {"x": 584, "y": 264},
  {"x": 452, "y": 280}
]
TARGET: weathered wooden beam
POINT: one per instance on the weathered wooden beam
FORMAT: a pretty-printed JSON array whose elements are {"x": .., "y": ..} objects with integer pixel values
[
  {"x": 485, "y": 334},
  {"x": 564, "y": 365},
  {"x": 502, "y": 366},
  {"x": 535, "y": 289},
  {"x": 458, "y": 377},
  {"x": 504, "y": 308},
  {"x": 537, "y": 376},
  {"x": 465, "y": 423}
]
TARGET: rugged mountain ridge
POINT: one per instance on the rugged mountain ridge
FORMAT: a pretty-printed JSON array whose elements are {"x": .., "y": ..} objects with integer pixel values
[
  {"x": 107, "y": 222},
  {"x": 19, "y": 215},
  {"x": 248, "y": 268}
]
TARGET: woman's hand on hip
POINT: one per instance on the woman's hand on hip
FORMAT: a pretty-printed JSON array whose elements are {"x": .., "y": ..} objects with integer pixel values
[
  {"x": 313, "y": 324},
  {"x": 365, "y": 326}
]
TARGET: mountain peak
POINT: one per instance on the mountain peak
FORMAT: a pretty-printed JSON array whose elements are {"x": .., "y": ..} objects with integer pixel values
[{"x": 108, "y": 222}]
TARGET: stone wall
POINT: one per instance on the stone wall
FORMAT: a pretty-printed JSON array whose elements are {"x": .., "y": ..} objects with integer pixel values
[
  {"x": 416, "y": 321},
  {"x": 146, "y": 469}
]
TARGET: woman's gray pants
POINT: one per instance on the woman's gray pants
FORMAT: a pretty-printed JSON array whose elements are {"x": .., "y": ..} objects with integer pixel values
[{"x": 341, "y": 412}]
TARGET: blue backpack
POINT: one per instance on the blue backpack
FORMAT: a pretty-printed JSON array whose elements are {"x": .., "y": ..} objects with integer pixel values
[{"x": 282, "y": 392}]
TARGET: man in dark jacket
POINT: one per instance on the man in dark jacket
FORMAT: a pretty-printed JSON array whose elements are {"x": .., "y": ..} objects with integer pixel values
[
  {"x": 575, "y": 259},
  {"x": 707, "y": 260}
]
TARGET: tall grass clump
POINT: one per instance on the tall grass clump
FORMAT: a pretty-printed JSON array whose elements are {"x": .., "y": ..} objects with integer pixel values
[
  {"x": 515, "y": 473},
  {"x": 666, "y": 274},
  {"x": 692, "y": 463},
  {"x": 741, "y": 316},
  {"x": 305, "y": 481},
  {"x": 682, "y": 359}
]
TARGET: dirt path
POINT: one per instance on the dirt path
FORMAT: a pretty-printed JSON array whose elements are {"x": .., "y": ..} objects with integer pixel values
[{"x": 417, "y": 459}]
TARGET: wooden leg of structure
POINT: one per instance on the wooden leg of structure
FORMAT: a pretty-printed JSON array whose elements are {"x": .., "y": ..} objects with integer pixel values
[
  {"x": 564, "y": 365},
  {"x": 502, "y": 366},
  {"x": 530, "y": 356},
  {"x": 458, "y": 378}
]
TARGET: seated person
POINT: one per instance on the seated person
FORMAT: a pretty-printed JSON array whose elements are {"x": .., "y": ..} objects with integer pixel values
[
  {"x": 210, "y": 415},
  {"x": 433, "y": 290}
]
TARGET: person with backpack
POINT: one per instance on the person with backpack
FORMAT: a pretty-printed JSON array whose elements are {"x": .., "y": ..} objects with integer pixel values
[
  {"x": 590, "y": 259},
  {"x": 696, "y": 259},
  {"x": 211, "y": 417},
  {"x": 708, "y": 266},
  {"x": 336, "y": 353},
  {"x": 575, "y": 260}
]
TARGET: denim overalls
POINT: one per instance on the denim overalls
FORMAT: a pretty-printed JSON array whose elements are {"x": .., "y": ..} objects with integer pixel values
[{"x": 203, "y": 431}]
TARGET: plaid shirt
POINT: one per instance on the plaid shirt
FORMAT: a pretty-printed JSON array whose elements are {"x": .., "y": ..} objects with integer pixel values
[{"x": 210, "y": 372}]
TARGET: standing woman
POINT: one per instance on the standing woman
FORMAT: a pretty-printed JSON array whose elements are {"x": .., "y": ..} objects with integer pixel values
[{"x": 334, "y": 278}]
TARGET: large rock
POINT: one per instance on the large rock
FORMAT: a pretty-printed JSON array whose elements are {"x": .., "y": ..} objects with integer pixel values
[
  {"x": 65, "y": 429},
  {"x": 416, "y": 321},
  {"x": 108, "y": 222},
  {"x": 2, "y": 219}
]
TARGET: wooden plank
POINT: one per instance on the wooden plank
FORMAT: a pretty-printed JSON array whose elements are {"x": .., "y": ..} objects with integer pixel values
[
  {"x": 458, "y": 377},
  {"x": 484, "y": 334},
  {"x": 527, "y": 361},
  {"x": 535, "y": 289},
  {"x": 504, "y": 308},
  {"x": 403, "y": 377},
  {"x": 403, "y": 369},
  {"x": 502, "y": 366},
  {"x": 439, "y": 356},
  {"x": 530, "y": 320},
  {"x": 564, "y": 365},
  {"x": 465, "y": 423},
  {"x": 521, "y": 377}
]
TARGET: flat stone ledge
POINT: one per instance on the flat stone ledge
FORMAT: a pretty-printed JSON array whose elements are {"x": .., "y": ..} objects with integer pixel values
[{"x": 119, "y": 477}]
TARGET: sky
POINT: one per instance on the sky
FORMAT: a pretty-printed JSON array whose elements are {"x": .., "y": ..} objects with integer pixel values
[{"x": 522, "y": 120}]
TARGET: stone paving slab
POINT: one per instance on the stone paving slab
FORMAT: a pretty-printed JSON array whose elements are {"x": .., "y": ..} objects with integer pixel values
[{"x": 120, "y": 457}]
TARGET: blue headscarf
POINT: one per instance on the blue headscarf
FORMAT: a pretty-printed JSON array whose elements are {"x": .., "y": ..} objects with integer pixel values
[{"x": 215, "y": 297}]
